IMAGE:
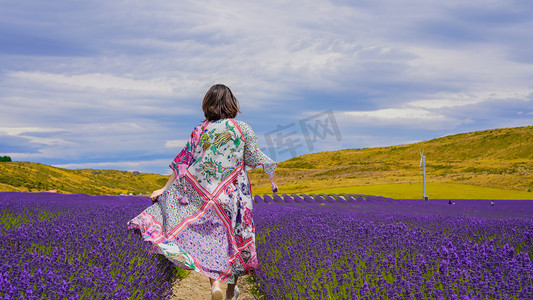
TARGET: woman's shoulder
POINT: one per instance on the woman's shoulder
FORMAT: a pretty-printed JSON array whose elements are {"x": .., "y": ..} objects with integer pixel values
[
  {"x": 245, "y": 128},
  {"x": 243, "y": 124},
  {"x": 199, "y": 126}
]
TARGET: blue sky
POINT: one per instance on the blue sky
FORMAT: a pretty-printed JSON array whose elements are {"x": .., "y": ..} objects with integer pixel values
[{"x": 119, "y": 84}]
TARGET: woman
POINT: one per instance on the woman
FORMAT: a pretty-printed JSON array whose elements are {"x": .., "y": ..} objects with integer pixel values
[{"x": 202, "y": 218}]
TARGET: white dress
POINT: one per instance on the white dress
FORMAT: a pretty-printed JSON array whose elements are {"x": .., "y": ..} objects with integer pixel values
[{"x": 204, "y": 219}]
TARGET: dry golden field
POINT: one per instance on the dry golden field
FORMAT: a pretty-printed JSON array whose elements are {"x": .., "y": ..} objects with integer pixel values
[{"x": 499, "y": 159}]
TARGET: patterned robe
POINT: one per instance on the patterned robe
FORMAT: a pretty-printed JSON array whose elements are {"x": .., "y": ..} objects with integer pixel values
[{"x": 204, "y": 219}]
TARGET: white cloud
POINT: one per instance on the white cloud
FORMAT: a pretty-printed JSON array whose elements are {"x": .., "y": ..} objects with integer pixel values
[
  {"x": 413, "y": 114},
  {"x": 485, "y": 68},
  {"x": 36, "y": 138},
  {"x": 104, "y": 82},
  {"x": 397, "y": 118},
  {"x": 14, "y": 131},
  {"x": 46, "y": 141},
  {"x": 175, "y": 144},
  {"x": 104, "y": 129},
  {"x": 132, "y": 70},
  {"x": 448, "y": 100}
]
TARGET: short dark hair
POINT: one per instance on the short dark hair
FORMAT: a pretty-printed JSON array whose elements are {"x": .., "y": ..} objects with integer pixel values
[{"x": 219, "y": 103}]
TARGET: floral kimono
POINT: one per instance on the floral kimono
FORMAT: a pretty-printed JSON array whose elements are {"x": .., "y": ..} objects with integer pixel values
[{"x": 203, "y": 220}]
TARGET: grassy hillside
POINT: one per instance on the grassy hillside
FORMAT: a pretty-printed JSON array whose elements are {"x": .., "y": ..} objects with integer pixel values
[
  {"x": 499, "y": 158},
  {"x": 435, "y": 190},
  {"x": 492, "y": 159},
  {"x": 32, "y": 177}
]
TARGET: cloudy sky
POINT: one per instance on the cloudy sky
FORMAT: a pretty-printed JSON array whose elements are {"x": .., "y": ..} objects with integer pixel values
[{"x": 119, "y": 84}]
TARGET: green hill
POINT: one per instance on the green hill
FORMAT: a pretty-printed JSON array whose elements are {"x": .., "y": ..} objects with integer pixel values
[
  {"x": 491, "y": 160},
  {"x": 33, "y": 177},
  {"x": 498, "y": 158}
]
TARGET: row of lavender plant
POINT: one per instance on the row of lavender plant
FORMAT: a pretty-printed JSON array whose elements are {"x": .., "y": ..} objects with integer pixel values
[
  {"x": 394, "y": 249},
  {"x": 57, "y": 246}
]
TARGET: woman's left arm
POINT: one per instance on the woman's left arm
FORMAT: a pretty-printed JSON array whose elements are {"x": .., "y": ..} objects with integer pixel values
[{"x": 253, "y": 156}]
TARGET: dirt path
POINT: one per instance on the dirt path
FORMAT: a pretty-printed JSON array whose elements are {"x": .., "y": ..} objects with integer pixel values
[{"x": 196, "y": 287}]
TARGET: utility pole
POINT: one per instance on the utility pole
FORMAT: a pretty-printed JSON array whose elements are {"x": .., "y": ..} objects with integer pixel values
[{"x": 423, "y": 165}]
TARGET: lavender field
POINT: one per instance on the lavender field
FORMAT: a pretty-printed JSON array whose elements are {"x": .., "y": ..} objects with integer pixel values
[
  {"x": 56, "y": 246},
  {"x": 309, "y": 246},
  {"x": 376, "y": 248}
]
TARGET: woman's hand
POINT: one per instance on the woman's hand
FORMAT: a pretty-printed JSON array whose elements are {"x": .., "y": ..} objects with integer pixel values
[{"x": 155, "y": 194}]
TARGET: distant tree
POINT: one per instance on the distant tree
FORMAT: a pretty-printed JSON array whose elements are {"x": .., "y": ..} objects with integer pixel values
[{"x": 5, "y": 158}]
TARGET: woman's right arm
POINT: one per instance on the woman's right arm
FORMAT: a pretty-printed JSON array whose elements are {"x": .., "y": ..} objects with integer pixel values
[
  {"x": 182, "y": 161},
  {"x": 155, "y": 194}
]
